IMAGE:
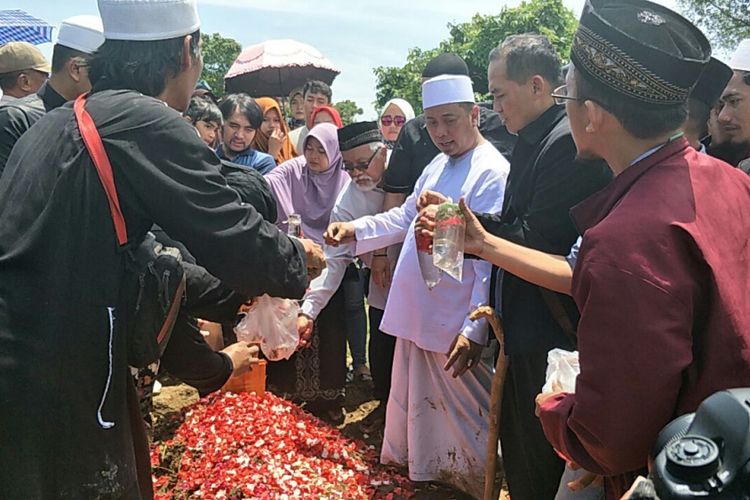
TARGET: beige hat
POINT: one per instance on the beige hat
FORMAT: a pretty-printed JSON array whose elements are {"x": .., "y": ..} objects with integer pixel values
[
  {"x": 148, "y": 20},
  {"x": 18, "y": 56},
  {"x": 81, "y": 33}
]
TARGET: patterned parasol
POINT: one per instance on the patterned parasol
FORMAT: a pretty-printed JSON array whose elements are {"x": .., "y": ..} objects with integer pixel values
[{"x": 276, "y": 67}]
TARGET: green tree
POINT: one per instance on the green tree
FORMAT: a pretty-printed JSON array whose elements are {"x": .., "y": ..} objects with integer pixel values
[
  {"x": 473, "y": 41},
  {"x": 348, "y": 109},
  {"x": 726, "y": 22},
  {"x": 218, "y": 55}
]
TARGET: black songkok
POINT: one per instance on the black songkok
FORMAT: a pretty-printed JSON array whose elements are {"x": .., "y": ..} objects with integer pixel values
[
  {"x": 712, "y": 82},
  {"x": 445, "y": 64},
  {"x": 640, "y": 49},
  {"x": 357, "y": 134}
]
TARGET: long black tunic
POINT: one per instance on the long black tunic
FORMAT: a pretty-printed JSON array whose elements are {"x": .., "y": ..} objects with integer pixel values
[
  {"x": 64, "y": 428},
  {"x": 545, "y": 181}
]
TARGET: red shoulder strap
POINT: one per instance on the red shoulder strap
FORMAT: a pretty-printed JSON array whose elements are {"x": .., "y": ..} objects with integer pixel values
[{"x": 95, "y": 147}]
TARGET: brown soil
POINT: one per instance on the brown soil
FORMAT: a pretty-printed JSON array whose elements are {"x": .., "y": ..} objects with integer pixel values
[{"x": 359, "y": 404}]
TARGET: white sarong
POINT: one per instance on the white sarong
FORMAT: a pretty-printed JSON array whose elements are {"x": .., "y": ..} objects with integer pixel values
[{"x": 435, "y": 424}]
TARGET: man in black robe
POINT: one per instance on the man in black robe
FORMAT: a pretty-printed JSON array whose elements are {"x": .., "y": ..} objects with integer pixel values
[
  {"x": 66, "y": 396},
  {"x": 546, "y": 180}
]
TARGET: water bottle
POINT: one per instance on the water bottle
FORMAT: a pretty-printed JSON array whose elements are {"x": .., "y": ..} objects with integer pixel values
[
  {"x": 294, "y": 225},
  {"x": 448, "y": 240},
  {"x": 430, "y": 274}
]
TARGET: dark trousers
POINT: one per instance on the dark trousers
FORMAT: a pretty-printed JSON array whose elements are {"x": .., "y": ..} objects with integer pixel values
[
  {"x": 532, "y": 467},
  {"x": 354, "y": 314},
  {"x": 381, "y": 350}
]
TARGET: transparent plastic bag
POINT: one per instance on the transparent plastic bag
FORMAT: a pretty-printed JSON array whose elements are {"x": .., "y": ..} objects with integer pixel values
[
  {"x": 448, "y": 240},
  {"x": 430, "y": 273},
  {"x": 562, "y": 370},
  {"x": 272, "y": 322}
]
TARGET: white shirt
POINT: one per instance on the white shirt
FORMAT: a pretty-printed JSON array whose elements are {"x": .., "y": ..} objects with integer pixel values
[
  {"x": 297, "y": 136},
  {"x": 432, "y": 318},
  {"x": 5, "y": 99},
  {"x": 351, "y": 204}
]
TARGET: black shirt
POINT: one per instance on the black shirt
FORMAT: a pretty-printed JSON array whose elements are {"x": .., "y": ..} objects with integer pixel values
[
  {"x": 414, "y": 149},
  {"x": 18, "y": 116},
  {"x": 545, "y": 181}
]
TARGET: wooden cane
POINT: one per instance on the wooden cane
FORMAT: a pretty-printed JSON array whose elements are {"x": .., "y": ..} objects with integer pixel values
[{"x": 496, "y": 397}]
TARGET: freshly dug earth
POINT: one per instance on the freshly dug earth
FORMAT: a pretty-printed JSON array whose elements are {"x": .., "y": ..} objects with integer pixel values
[{"x": 168, "y": 415}]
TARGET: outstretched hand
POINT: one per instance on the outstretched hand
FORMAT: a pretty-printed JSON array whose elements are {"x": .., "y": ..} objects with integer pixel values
[
  {"x": 430, "y": 198},
  {"x": 339, "y": 233},
  {"x": 316, "y": 261},
  {"x": 243, "y": 356},
  {"x": 305, "y": 330},
  {"x": 476, "y": 236},
  {"x": 424, "y": 228}
]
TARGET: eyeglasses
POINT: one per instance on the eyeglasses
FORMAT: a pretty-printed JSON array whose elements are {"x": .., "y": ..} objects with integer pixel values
[
  {"x": 398, "y": 120},
  {"x": 560, "y": 94},
  {"x": 360, "y": 166}
]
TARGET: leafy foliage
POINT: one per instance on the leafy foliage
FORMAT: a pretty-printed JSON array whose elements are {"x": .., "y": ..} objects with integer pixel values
[
  {"x": 726, "y": 22},
  {"x": 348, "y": 110},
  {"x": 473, "y": 41},
  {"x": 218, "y": 55}
]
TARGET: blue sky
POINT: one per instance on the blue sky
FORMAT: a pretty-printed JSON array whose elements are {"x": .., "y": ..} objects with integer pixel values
[{"x": 355, "y": 35}]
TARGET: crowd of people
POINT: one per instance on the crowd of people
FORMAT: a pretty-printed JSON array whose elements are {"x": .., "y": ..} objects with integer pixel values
[{"x": 607, "y": 211}]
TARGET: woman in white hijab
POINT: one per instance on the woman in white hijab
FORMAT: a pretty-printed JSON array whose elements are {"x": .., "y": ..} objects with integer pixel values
[{"x": 395, "y": 114}]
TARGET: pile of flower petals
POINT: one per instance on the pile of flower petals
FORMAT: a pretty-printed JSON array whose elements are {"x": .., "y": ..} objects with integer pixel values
[{"x": 246, "y": 446}]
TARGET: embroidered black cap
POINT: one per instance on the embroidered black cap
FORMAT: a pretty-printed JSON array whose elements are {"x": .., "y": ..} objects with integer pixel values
[
  {"x": 712, "y": 82},
  {"x": 640, "y": 49},
  {"x": 357, "y": 134}
]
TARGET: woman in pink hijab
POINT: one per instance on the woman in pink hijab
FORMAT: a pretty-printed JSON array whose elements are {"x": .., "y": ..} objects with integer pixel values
[{"x": 309, "y": 186}]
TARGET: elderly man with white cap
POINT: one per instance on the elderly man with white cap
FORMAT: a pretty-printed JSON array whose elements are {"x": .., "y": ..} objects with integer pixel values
[
  {"x": 77, "y": 39},
  {"x": 68, "y": 410},
  {"x": 435, "y": 419},
  {"x": 735, "y": 112}
]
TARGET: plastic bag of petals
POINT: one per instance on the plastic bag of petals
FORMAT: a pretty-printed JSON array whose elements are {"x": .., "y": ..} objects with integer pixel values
[{"x": 272, "y": 322}]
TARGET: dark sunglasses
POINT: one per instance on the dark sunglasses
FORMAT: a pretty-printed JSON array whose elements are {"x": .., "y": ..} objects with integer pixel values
[
  {"x": 360, "y": 166},
  {"x": 398, "y": 120}
]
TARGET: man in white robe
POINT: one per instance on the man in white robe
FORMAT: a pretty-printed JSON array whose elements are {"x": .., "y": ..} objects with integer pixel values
[{"x": 436, "y": 421}]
